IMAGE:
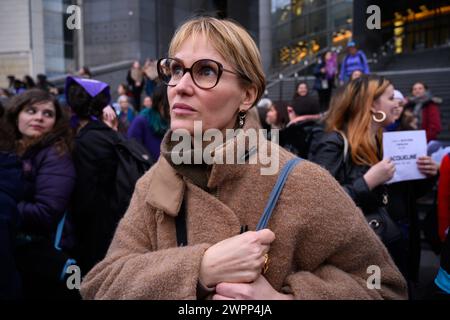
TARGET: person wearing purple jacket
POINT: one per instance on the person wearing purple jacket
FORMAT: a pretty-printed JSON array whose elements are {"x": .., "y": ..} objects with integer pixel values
[
  {"x": 149, "y": 127},
  {"x": 354, "y": 60},
  {"x": 43, "y": 142}
]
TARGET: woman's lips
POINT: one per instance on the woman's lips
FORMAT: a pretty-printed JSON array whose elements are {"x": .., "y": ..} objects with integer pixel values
[
  {"x": 183, "y": 109},
  {"x": 39, "y": 128}
]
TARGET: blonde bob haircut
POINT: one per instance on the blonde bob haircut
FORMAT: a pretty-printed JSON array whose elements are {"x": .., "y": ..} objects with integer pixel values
[
  {"x": 351, "y": 114},
  {"x": 232, "y": 42}
]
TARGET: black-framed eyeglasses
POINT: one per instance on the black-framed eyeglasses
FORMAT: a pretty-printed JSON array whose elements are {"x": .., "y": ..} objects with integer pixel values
[{"x": 205, "y": 73}]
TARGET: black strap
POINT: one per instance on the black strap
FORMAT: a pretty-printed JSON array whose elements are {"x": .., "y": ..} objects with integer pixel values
[{"x": 180, "y": 225}]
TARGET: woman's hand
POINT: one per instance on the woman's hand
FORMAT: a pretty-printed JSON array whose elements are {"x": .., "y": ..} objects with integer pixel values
[
  {"x": 109, "y": 117},
  {"x": 236, "y": 259},
  {"x": 380, "y": 173},
  {"x": 260, "y": 289},
  {"x": 427, "y": 166}
]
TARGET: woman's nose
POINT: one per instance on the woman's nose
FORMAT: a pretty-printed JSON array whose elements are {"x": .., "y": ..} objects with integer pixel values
[
  {"x": 38, "y": 116},
  {"x": 185, "y": 84}
]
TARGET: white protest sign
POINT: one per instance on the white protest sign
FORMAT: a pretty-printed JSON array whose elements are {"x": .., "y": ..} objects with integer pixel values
[{"x": 404, "y": 148}]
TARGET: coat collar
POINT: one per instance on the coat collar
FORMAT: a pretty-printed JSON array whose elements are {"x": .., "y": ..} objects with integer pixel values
[
  {"x": 166, "y": 188},
  {"x": 167, "y": 185}
]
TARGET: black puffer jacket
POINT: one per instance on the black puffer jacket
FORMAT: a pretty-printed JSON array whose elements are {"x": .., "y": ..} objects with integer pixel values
[{"x": 329, "y": 154}]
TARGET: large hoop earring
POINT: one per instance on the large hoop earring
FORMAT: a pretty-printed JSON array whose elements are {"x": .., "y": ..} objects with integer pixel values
[
  {"x": 383, "y": 116},
  {"x": 242, "y": 115}
]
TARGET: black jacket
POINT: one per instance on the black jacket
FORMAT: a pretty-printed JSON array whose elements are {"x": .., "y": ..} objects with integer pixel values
[
  {"x": 329, "y": 153},
  {"x": 299, "y": 138},
  {"x": 11, "y": 192},
  {"x": 94, "y": 215}
]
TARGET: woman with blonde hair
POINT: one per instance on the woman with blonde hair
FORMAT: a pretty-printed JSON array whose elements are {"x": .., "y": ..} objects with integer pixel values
[{"x": 214, "y": 75}]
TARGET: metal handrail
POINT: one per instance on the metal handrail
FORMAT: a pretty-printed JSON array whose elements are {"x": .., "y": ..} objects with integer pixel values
[
  {"x": 98, "y": 70},
  {"x": 295, "y": 70}
]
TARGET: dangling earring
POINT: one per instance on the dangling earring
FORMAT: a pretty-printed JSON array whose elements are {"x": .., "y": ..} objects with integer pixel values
[
  {"x": 383, "y": 116},
  {"x": 242, "y": 115}
]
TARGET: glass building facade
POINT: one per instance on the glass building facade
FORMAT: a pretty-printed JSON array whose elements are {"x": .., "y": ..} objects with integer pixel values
[
  {"x": 58, "y": 40},
  {"x": 417, "y": 25},
  {"x": 410, "y": 25},
  {"x": 304, "y": 27}
]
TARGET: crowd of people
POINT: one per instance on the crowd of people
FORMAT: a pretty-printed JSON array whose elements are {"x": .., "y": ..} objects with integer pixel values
[{"x": 90, "y": 182}]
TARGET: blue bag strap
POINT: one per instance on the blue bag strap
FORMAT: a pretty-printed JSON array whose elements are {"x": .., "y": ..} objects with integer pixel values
[
  {"x": 276, "y": 191},
  {"x": 69, "y": 262},
  {"x": 59, "y": 232}
]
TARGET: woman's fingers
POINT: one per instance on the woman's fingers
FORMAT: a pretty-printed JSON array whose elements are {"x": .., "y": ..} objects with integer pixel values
[{"x": 265, "y": 236}]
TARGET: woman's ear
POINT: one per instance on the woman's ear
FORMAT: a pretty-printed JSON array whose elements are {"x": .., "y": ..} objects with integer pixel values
[
  {"x": 249, "y": 97},
  {"x": 374, "y": 109}
]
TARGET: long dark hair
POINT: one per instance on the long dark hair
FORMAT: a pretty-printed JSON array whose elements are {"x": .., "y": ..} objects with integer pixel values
[
  {"x": 7, "y": 143},
  {"x": 297, "y": 86},
  {"x": 60, "y": 136}
]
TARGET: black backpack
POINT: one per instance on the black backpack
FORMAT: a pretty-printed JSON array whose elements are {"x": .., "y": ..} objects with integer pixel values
[{"x": 133, "y": 161}]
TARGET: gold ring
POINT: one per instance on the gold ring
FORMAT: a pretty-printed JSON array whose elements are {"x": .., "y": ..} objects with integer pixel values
[{"x": 266, "y": 263}]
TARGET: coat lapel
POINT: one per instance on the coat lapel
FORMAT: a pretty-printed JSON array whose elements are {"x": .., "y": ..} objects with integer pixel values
[{"x": 208, "y": 219}]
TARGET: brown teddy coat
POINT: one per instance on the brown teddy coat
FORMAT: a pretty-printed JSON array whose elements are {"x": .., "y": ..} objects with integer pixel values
[{"x": 322, "y": 250}]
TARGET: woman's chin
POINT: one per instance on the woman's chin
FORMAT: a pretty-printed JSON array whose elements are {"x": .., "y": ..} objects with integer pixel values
[{"x": 182, "y": 124}]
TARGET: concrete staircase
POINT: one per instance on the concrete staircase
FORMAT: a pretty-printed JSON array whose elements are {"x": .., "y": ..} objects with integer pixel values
[
  {"x": 431, "y": 66},
  {"x": 438, "y": 81}
]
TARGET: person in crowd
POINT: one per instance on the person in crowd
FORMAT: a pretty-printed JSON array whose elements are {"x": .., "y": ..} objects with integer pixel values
[
  {"x": 301, "y": 90},
  {"x": 44, "y": 84},
  {"x": 122, "y": 90},
  {"x": 356, "y": 74},
  {"x": 398, "y": 96},
  {"x": 151, "y": 75},
  {"x": 96, "y": 205},
  {"x": 300, "y": 133},
  {"x": 43, "y": 141},
  {"x": 135, "y": 79},
  {"x": 325, "y": 72},
  {"x": 444, "y": 198},
  {"x": 214, "y": 75},
  {"x": 11, "y": 193},
  {"x": 439, "y": 289},
  {"x": 352, "y": 152},
  {"x": 426, "y": 108},
  {"x": 29, "y": 82},
  {"x": 5, "y": 95},
  {"x": 95, "y": 164},
  {"x": 19, "y": 87},
  {"x": 151, "y": 124},
  {"x": 354, "y": 60},
  {"x": 11, "y": 78},
  {"x": 262, "y": 108},
  {"x": 277, "y": 115},
  {"x": 125, "y": 115},
  {"x": 403, "y": 195},
  {"x": 442, "y": 280},
  {"x": 85, "y": 72},
  {"x": 148, "y": 102}
]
